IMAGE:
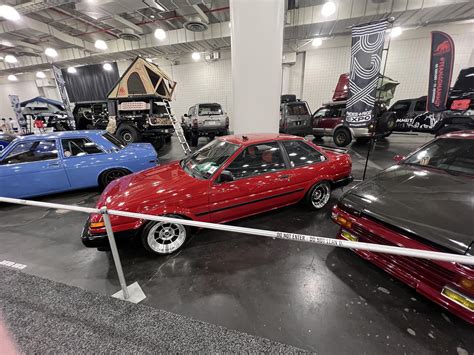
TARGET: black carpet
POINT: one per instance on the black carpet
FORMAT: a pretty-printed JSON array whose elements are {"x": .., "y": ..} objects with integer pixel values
[{"x": 48, "y": 317}]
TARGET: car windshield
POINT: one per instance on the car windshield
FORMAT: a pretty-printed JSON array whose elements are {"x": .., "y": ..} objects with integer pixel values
[
  {"x": 209, "y": 110},
  {"x": 450, "y": 154},
  {"x": 205, "y": 162},
  {"x": 114, "y": 140}
]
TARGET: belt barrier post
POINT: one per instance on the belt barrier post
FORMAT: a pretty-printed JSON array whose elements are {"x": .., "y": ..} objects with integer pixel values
[{"x": 115, "y": 254}]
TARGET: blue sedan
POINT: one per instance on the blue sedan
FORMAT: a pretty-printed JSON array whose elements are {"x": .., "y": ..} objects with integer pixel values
[{"x": 61, "y": 161}]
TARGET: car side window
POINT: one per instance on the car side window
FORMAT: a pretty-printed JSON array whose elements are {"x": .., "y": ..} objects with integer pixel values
[
  {"x": 256, "y": 160},
  {"x": 77, "y": 147},
  {"x": 420, "y": 105},
  {"x": 32, "y": 151},
  {"x": 301, "y": 154}
]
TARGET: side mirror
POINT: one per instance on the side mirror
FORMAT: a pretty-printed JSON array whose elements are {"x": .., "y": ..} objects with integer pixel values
[
  {"x": 185, "y": 115},
  {"x": 398, "y": 158},
  {"x": 226, "y": 176}
]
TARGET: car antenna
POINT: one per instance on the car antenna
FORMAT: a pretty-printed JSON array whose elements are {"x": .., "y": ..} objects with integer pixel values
[{"x": 245, "y": 138}]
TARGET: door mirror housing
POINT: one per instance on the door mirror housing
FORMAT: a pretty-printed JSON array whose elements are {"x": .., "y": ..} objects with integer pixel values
[
  {"x": 398, "y": 158},
  {"x": 185, "y": 115},
  {"x": 226, "y": 176}
]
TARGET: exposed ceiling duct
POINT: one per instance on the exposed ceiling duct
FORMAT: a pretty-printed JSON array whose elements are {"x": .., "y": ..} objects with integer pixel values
[
  {"x": 129, "y": 35},
  {"x": 196, "y": 24}
]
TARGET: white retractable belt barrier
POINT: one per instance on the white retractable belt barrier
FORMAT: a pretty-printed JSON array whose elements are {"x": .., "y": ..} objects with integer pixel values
[{"x": 423, "y": 254}]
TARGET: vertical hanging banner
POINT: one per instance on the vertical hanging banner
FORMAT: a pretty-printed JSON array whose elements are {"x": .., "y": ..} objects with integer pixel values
[
  {"x": 366, "y": 58},
  {"x": 441, "y": 71},
  {"x": 58, "y": 76}
]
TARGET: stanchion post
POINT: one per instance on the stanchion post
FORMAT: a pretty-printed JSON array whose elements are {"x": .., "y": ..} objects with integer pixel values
[{"x": 115, "y": 254}]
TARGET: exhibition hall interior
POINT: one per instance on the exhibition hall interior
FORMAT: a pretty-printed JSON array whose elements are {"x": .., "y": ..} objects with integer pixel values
[{"x": 237, "y": 176}]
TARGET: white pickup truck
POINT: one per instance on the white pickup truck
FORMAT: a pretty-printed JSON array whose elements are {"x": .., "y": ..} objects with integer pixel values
[{"x": 205, "y": 120}]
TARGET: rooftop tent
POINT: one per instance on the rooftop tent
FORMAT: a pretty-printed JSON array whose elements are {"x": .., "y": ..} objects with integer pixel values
[
  {"x": 41, "y": 104},
  {"x": 143, "y": 79}
]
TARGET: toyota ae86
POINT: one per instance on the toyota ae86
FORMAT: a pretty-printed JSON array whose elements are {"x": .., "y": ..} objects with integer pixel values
[
  {"x": 229, "y": 178},
  {"x": 425, "y": 202}
]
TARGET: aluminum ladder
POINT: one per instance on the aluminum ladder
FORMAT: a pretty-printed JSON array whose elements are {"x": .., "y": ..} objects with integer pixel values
[{"x": 177, "y": 128}]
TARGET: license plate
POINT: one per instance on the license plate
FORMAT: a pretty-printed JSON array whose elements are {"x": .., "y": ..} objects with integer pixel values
[{"x": 212, "y": 123}]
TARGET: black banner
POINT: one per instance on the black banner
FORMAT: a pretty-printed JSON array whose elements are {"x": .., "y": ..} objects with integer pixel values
[
  {"x": 58, "y": 76},
  {"x": 366, "y": 59},
  {"x": 441, "y": 71}
]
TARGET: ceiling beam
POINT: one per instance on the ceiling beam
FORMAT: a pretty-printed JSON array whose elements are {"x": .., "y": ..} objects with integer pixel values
[
  {"x": 201, "y": 13},
  {"x": 128, "y": 24}
]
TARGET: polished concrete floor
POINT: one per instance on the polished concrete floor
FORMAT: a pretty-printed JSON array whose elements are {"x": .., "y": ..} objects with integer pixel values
[{"x": 314, "y": 297}]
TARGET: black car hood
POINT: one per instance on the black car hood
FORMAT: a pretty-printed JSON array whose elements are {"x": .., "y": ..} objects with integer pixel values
[{"x": 432, "y": 204}]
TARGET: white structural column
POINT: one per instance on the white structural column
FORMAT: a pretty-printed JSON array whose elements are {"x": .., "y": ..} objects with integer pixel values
[{"x": 257, "y": 45}]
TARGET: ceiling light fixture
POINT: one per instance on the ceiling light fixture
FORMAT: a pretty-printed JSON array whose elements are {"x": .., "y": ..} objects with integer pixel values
[
  {"x": 100, "y": 44},
  {"x": 9, "y": 13},
  {"x": 107, "y": 66},
  {"x": 72, "y": 70},
  {"x": 160, "y": 34},
  {"x": 40, "y": 75},
  {"x": 396, "y": 31},
  {"x": 196, "y": 56},
  {"x": 317, "y": 42},
  {"x": 12, "y": 77},
  {"x": 51, "y": 52},
  {"x": 152, "y": 16},
  {"x": 328, "y": 9},
  {"x": 159, "y": 6},
  {"x": 11, "y": 59}
]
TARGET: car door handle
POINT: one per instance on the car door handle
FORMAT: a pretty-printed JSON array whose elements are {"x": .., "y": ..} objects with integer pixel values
[
  {"x": 284, "y": 177},
  {"x": 53, "y": 164}
]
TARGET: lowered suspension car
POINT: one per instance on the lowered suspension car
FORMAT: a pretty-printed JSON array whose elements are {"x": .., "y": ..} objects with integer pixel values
[
  {"x": 229, "y": 178},
  {"x": 425, "y": 202}
]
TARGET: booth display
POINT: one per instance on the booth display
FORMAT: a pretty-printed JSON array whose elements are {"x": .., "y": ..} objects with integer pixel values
[
  {"x": 423, "y": 202},
  {"x": 43, "y": 164},
  {"x": 51, "y": 112},
  {"x": 230, "y": 178}
]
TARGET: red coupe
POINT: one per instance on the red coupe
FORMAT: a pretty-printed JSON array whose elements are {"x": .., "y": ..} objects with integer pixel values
[
  {"x": 229, "y": 178},
  {"x": 425, "y": 202}
]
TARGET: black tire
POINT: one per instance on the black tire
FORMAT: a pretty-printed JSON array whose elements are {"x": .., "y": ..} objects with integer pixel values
[
  {"x": 128, "y": 133},
  {"x": 110, "y": 175},
  {"x": 168, "y": 139},
  {"x": 386, "y": 123},
  {"x": 194, "y": 139},
  {"x": 159, "y": 143},
  {"x": 450, "y": 128},
  {"x": 168, "y": 234},
  {"x": 342, "y": 137},
  {"x": 363, "y": 140},
  {"x": 319, "y": 195}
]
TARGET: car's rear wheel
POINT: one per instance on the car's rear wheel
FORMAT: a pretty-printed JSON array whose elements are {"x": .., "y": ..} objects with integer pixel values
[
  {"x": 319, "y": 195},
  {"x": 163, "y": 238},
  {"x": 110, "y": 175},
  {"x": 342, "y": 137},
  {"x": 128, "y": 133}
]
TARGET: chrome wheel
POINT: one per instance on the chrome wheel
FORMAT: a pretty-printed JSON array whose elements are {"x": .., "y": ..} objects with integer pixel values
[
  {"x": 320, "y": 195},
  {"x": 165, "y": 238}
]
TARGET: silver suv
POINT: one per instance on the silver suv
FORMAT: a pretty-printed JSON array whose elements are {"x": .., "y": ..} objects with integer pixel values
[
  {"x": 295, "y": 116},
  {"x": 205, "y": 120}
]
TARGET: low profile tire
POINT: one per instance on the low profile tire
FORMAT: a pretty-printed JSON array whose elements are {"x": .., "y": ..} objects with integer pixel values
[
  {"x": 194, "y": 139},
  {"x": 110, "y": 175},
  {"x": 342, "y": 137},
  {"x": 318, "y": 196},
  {"x": 162, "y": 238},
  {"x": 128, "y": 133}
]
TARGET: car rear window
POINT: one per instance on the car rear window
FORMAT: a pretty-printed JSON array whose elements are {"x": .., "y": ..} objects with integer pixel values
[
  {"x": 210, "y": 109},
  {"x": 297, "y": 109},
  {"x": 114, "y": 140}
]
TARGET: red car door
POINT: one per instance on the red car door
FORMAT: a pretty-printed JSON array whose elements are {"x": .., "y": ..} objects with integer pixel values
[{"x": 261, "y": 181}]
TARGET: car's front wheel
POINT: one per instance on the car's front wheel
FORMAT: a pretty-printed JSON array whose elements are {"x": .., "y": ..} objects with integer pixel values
[
  {"x": 319, "y": 195},
  {"x": 163, "y": 238},
  {"x": 110, "y": 175}
]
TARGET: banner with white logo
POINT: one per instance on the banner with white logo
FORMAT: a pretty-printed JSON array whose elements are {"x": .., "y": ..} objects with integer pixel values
[
  {"x": 58, "y": 76},
  {"x": 366, "y": 59},
  {"x": 20, "y": 122}
]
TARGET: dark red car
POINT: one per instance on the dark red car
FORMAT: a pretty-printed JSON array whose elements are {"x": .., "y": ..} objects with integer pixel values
[
  {"x": 230, "y": 178},
  {"x": 425, "y": 202}
]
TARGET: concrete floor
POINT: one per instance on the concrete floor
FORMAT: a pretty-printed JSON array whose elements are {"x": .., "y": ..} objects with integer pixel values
[{"x": 314, "y": 297}]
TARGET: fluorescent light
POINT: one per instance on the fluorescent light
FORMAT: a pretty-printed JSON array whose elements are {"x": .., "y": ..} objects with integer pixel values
[
  {"x": 152, "y": 16},
  {"x": 396, "y": 31},
  {"x": 107, "y": 66},
  {"x": 328, "y": 9},
  {"x": 230, "y": 24},
  {"x": 40, "y": 75},
  {"x": 196, "y": 56},
  {"x": 72, "y": 70},
  {"x": 159, "y": 7},
  {"x": 160, "y": 34},
  {"x": 12, "y": 77},
  {"x": 9, "y": 13},
  {"x": 100, "y": 44},
  {"x": 51, "y": 52},
  {"x": 11, "y": 59},
  {"x": 149, "y": 60},
  {"x": 317, "y": 42}
]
